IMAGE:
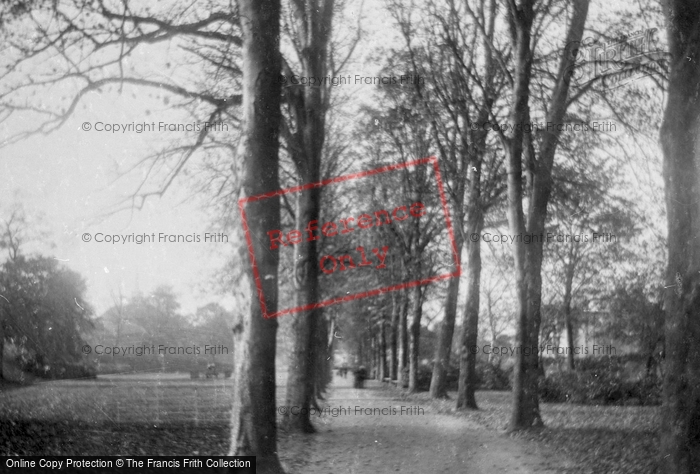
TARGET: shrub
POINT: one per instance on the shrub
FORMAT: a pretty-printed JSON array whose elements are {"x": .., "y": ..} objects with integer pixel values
[
  {"x": 424, "y": 376},
  {"x": 604, "y": 387},
  {"x": 647, "y": 390},
  {"x": 488, "y": 377},
  {"x": 493, "y": 377},
  {"x": 556, "y": 387}
]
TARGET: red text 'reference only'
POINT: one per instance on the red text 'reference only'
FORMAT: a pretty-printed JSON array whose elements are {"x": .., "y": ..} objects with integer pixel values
[{"x": 330, "y": 229}]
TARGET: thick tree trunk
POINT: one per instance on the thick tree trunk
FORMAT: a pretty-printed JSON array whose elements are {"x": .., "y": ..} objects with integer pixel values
[
  {"x": 680, "y": 141},
  {"x": 324, "y": 363},
  {"x": 530, "y": 348},
  {"x": 414, "y": 337},
  {"x": 467, "y": 368},
  {"x": 309, "y": 104},
  {"x": 325, "y": 358},
  {"x": 253, "y": 416},
  {"x": 2, "y": 349},
  {"x": 438, "y": 382},
  {"x": 302, "y": 359}
]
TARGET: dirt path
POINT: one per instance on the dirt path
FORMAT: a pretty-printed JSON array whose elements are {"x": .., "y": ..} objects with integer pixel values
[{"x": 364, "y": 439}]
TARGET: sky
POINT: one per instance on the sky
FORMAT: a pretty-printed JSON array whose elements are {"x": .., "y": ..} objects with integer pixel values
[{"x": 71, "y": 180}]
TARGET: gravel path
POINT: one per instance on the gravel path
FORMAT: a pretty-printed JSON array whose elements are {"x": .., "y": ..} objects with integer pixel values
[{"x": 373, "y": 432}]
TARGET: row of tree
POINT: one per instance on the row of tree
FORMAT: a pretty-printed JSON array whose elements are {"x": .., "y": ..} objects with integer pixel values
[{"x": 484, "y": 62}]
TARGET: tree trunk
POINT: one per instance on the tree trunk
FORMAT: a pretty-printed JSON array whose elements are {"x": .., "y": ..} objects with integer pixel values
[
  {"x": 568, "y": 284},
  {"x": 680, "y": 141},
  {"x": 475, "y": 223},
  {"x": 309, "y": 104},
  {"x": 395, "y": 315},
  {"x": 414, "y": 338},
  {"x": 326, "y": 358},
  {"x": 530, "y": 352},
  {"x": 382, "y": 350},
  {"x": 492, "y": 325},
  {"x": 373, "y": 365},
  {"x": 438, "y": 382},
  {"x": 302, "y": 359},
  {"x": 253, "y": 416},
  {"x": 378, "y": 356},
  {"x": 556, "y": 338},
  {"x": 403, "y": 340},
  {"x": 542, "y": 187},
  {"x": 2, "y": 349},
  {"x": 467, "y": 368},
  {"x": 528, "y": 259},
  {"x": 522, "y": 416},
  {"x": 324, "y": 353},
  {"x": 470, "y": 160}
]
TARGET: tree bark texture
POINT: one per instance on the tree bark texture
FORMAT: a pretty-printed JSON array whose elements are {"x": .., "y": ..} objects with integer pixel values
[
  {"x": 253, "y": 416},
  {"x": 680, "y": 141},
  {"x": 307, "y": 106}
]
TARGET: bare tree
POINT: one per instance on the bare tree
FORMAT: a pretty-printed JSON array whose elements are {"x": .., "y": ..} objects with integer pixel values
[
  {"x": 478, "y": 202},
  {"x": 311, "y": 27},
  {"x": 457, "y": 90},
  {"x": 93, "y": 47},
  {"x": 528, "y": 258}
]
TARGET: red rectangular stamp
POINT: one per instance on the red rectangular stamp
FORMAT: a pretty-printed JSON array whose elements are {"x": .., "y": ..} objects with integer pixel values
[{"x": 387, "y": 229}]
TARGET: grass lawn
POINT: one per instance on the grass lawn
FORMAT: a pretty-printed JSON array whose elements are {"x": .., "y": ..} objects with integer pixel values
[
  {"x": 597, "y": 439},
  {"x": 143, "y": 414},
  {"x": 152, "y": 414}
]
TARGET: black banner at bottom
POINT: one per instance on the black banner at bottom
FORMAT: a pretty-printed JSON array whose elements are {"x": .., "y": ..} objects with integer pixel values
[{"x": 181, "y": 464}]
